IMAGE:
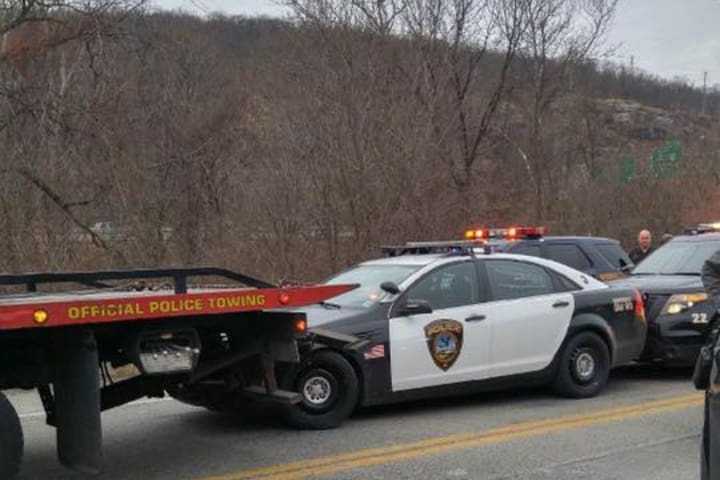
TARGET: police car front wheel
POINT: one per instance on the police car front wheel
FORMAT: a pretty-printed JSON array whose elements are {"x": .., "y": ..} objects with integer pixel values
[
  {"x": 329, "y": 389},
  {"x": 584, "y": 366}
]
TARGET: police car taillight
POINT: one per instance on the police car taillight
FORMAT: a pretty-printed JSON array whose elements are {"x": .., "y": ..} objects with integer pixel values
[{"x": 639, "y": 306}]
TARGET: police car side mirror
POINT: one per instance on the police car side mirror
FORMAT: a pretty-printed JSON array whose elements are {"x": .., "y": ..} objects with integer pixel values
[
  {"x": 390, "y": 287},
  {"x": 415, "y": 307}
]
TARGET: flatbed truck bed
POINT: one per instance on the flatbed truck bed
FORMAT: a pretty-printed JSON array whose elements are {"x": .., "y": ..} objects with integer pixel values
[{"x": 64, "y": 343}]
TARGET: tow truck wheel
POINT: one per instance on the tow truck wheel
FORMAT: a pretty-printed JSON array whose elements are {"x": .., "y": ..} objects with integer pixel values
[
  {"x": 329, "y": 388},
  {"x": 11, "y": 440},
  {"x": 584, "y": 367}
]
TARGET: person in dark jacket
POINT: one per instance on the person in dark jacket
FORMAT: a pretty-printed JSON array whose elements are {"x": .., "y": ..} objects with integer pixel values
[
  {"x": 710, "y": 450},
  {"x": 644, "y": 247},
  {"x": 711, "y": 278}
]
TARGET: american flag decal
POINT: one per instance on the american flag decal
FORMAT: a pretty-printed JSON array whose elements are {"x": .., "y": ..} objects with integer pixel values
[{"x": 376, "y": 351}]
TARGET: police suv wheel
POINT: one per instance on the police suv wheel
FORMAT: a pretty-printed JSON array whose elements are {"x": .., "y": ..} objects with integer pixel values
[
  {"x": 11, "y": 440},
  {"x": 584, "y": 366},
  {"x": 329, "y": 388}
]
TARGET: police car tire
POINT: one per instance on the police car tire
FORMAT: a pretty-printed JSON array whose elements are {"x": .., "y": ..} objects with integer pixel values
[
  {"x": 568, "y": 382},
  {"x": 341, "y": 376},
  {"x": 11, "y": 440}
]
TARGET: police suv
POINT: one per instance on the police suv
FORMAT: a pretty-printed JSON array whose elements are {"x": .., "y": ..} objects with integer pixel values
[
  {"x": 603, "y": 258},
  {"x": 679, "y": 313},
  {"x": 458, "y": 321}
]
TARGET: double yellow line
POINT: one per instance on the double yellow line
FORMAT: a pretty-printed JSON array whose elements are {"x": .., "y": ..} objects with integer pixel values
[{"x": 434, "y": 446}]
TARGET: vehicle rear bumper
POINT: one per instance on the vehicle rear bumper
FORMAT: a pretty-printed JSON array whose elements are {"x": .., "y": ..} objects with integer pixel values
[{"x": 669, "y": 353}]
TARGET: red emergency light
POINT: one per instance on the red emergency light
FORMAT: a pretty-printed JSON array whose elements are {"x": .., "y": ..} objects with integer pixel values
[{"x": 512, "y": 233}]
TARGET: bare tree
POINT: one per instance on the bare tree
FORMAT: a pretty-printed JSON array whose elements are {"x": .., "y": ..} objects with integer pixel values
[
  {"x": 465, "y": 50},
  {"x": 49, "y": 51},
  {"x": 559, "y": 36},
  {"x": 290, "y": 150}
]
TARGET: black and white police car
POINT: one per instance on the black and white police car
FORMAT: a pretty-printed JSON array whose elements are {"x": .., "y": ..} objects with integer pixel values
[{"x": 459, "y": 321}]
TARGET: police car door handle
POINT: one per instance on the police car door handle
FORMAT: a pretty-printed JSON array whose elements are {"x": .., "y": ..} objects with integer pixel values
[
  {"x": 475, "y": 318},
  {"x": 561, "y": 304}
]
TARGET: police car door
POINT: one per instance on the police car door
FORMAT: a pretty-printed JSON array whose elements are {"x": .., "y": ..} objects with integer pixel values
[
  {"x": 528, "y": 316},
  {"x": 446, "y": 345}
]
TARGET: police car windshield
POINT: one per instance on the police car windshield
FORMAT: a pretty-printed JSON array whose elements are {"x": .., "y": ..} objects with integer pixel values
[
  {"x": 677, "y": 258},
  {"x": 369, "y": 277}
]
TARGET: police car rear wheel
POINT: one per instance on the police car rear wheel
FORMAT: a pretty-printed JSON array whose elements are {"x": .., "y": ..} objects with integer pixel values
[
  {"x": 329, "y": 389},
  {"x": 584, "y": 366},
  {"x": 11, "y": 440}
]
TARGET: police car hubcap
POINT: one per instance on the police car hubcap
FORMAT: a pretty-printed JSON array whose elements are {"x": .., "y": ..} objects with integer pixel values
[
  {"x": 585, "y": 366},
  {"x": 317, "y": 390}
]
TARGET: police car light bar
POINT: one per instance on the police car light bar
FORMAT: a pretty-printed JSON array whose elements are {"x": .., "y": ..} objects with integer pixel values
[
  {"x": 454, "y": 247},
  {"x": 703, "y": 228},
  {"x": 511, "y": 233}
]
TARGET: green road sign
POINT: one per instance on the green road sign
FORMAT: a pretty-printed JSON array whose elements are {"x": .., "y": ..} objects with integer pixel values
[
  {"x": 628, "y": 170},
  {"x": 665, "y": 161}
]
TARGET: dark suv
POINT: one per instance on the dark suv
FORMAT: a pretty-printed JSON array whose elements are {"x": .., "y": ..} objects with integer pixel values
[
  {"x": 603, "y": 258},
  {"x": 678, "y": 311}
]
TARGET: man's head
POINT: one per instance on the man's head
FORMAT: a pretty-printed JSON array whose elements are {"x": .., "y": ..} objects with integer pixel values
[{"x": 644, "y": 239}]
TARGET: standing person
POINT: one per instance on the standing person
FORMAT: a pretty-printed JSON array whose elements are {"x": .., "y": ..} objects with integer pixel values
[{"x": 644, "y": 247}]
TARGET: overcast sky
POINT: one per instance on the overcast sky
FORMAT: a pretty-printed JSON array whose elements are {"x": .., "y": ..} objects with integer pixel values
[{"x": 672, "y": 38}]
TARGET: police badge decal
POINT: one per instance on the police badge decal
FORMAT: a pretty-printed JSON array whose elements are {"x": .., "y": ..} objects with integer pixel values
[{"x": 444, "y": 339}]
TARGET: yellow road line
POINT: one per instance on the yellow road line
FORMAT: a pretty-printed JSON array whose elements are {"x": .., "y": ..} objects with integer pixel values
[{"x": 401, "y": 452}]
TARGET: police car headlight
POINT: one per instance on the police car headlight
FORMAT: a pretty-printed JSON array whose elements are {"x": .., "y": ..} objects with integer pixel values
[{"x": 680, "y": 302}]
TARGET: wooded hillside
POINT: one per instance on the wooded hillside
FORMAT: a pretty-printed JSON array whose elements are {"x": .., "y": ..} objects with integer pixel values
[{"x": 290, "y": 150}]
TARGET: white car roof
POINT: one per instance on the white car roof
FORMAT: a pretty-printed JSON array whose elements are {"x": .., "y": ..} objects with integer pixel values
[{"x": 429, "y": 261}]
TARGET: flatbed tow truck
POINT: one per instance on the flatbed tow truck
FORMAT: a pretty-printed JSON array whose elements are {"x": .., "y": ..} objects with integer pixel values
[{"x": 63, "y": 342}]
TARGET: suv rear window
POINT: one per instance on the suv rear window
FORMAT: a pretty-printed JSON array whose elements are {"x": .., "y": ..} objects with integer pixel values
[
  {"x": 614, "y": 254},
  {"x": 568, "y": 254}
]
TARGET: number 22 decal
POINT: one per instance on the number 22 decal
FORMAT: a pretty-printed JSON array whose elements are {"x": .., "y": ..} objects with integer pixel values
[{"x": 699, "y": 318}]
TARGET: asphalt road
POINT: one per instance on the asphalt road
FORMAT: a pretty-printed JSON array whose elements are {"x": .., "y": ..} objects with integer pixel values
[{"x": 644, "y": 426}]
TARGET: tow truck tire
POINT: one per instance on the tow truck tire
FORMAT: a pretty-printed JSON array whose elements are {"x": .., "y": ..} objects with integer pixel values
[
  {"x": 11, "y": 440},
  {"x": 329, "y": 388},
  {"x": 584, "y": 366}
]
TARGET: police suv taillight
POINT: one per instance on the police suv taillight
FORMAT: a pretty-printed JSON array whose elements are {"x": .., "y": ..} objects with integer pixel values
[{"x": 639, "y": 306}]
